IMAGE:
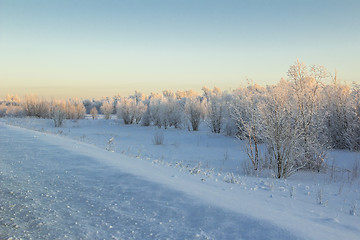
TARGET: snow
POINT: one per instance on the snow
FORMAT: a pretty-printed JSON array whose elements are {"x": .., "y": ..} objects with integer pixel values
[{"x": 62, "y": 183}]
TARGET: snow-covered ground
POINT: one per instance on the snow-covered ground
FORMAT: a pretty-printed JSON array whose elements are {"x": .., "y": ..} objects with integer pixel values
[{"x": 100, "y": 179}]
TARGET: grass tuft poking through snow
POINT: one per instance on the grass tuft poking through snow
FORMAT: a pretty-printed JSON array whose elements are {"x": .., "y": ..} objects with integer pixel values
[{"x": 158, "y": 138}]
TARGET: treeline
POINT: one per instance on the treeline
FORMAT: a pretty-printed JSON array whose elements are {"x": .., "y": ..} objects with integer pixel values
[
  {"x": 297, "y": 119},
  {"x": 32, "y": 106}
]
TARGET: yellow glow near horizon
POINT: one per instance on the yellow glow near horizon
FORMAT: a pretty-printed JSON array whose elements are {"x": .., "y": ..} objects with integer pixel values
[{"x": 89, "y": 49}]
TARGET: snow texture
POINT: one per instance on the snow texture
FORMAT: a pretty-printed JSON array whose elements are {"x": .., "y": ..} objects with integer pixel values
[{"x": 57, "y": 187}]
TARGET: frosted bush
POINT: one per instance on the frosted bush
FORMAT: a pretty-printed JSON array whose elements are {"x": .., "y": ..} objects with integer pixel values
[
  {"x": 166, "y": 112},
  {"x": 130, "y": 110},
  {"x": 58, "y": 115},
  {"x": 35, "y": 107},
  {"x": 75, "y": 109},
  {"x": 94, "y": 113},
  {"x": 107, "y": 109},
  {"x": 194, "y": 112},
  {"x": 215, "y": 109},
  {"x": 13, "y": 111}
]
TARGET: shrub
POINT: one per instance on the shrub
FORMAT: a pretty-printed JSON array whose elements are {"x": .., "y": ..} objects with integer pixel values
[
  {"x": 94, "y": 113},
  {"x": 158, "y": 138},
  {"x": 58, "y": 112},
  {"x": 107, "y": 109},
  {"x": 194, "y": 111}
]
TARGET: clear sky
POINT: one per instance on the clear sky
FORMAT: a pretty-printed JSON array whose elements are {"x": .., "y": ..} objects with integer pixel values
[{"x": 88, "y": 48}]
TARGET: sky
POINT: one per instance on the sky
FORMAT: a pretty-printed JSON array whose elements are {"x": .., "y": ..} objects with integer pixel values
[{"x": 90, "y": 49}]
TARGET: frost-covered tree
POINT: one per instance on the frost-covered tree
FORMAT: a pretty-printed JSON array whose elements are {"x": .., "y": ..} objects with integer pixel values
[
  {"x": 215, "y": 108},
  {"x": 12, "y": 100},
  {"x": 29, "y": 105},
  {"x": 140, "y": 111},
  {"x": 186, "y": 94},
  {"x": 35, "y": 107},
  {"x": 125, "y": 109},
  {"x": 146, "y": 117},
  {"x": 247, "y": 117},
  {"x": 58, "y": 112},
  {"x": 107, "y": 108},
  {"x": 12, "y": 111},
  {"x": 168, "y": 94},
  {"x": 88, "y": 105},
  {"x": 166, "y": 111},
  {"x": 280, "y": 130},
  {"x": 230, "y": 126},
  {"x": 80, "y": 110},
  {"x": 156, "y": 110},
  {"x": 74, "y": 109},
  {"x": 174, "y": 110},
  {"x": 130, "y": 110},
  {"x": 94, "y": 113},
  {"x": 11, "y": 107},
  {"x": 336, "y": 110},
  {"x": 353, "y": 131},
  {"x": 307, "y": 87},
  {"x": 194, "y": 111},
  {"x": 70, "y": 110}
]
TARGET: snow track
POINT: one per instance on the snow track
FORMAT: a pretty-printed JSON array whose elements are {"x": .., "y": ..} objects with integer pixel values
[{"x": 50, "y": 192}]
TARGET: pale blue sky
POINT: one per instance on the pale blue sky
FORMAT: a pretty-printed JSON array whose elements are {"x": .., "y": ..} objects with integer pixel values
[{"x": 87, "y": 48}]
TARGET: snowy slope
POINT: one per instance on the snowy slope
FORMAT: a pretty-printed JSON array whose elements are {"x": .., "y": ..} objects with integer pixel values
[{"x": 58, "y": 187}]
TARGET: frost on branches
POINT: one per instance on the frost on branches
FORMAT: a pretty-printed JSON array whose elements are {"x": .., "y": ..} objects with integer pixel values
[{"x": 286, "y": 127}]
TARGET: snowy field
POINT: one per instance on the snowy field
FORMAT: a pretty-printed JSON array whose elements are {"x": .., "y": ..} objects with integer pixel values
[{"x": 100, "y": 179}]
